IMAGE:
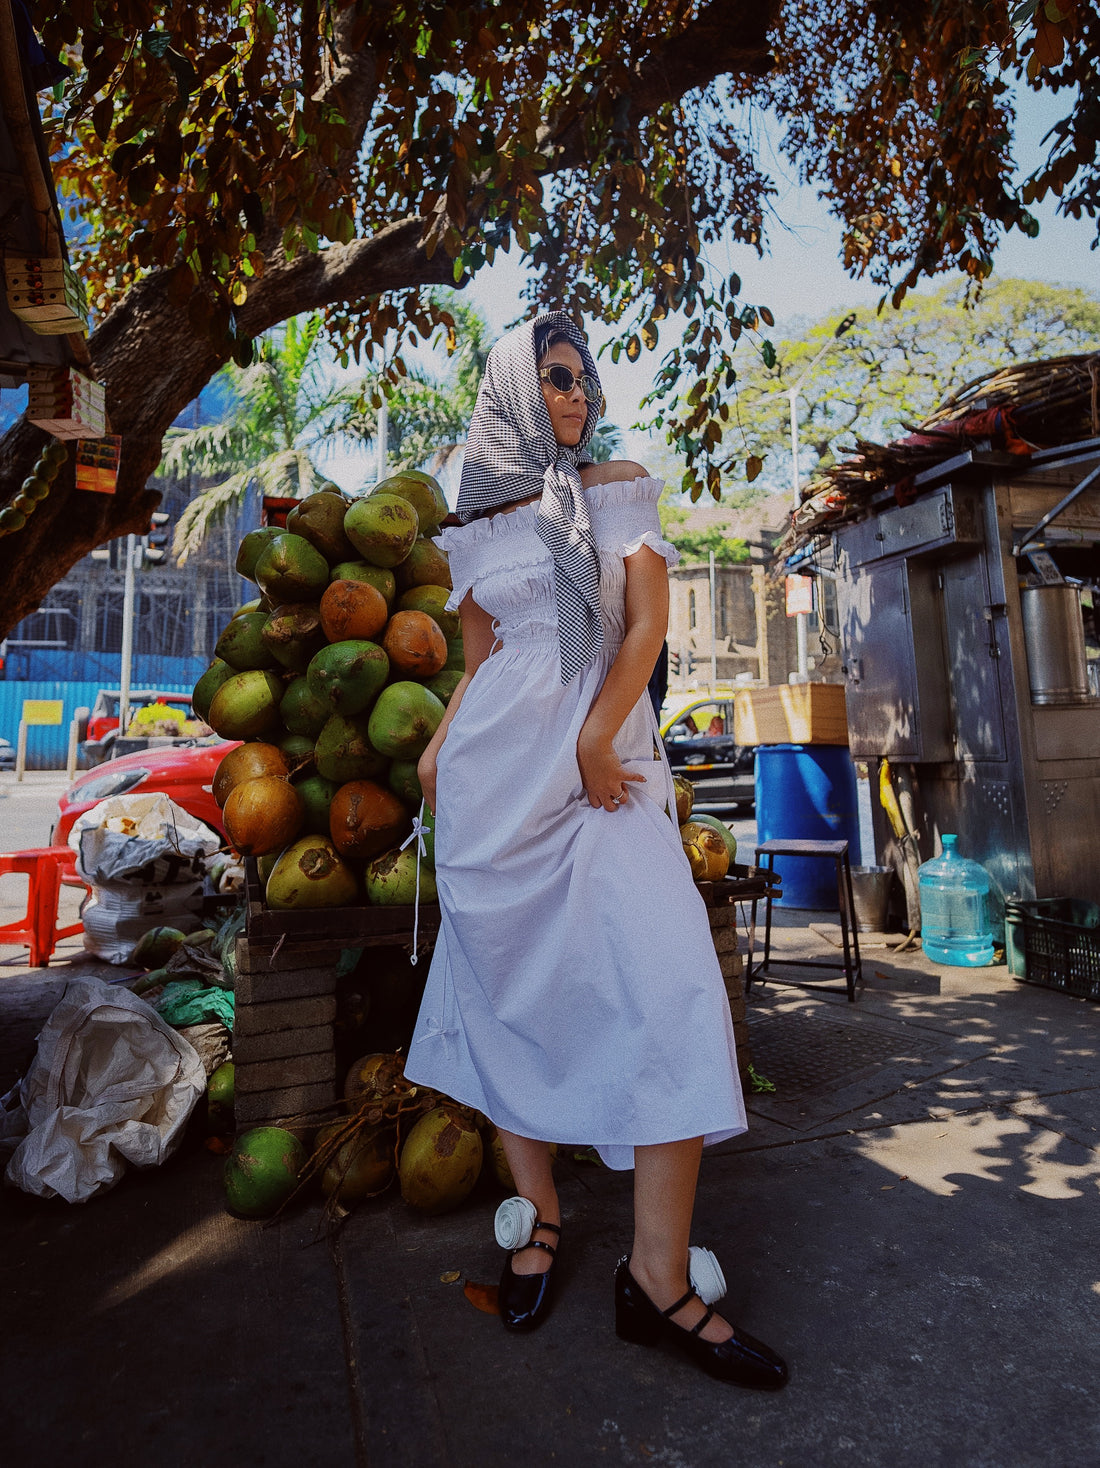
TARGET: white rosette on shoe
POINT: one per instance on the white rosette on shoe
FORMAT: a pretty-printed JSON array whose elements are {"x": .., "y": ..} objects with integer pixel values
[
  {"x": 704, "y": 1274},
  {"x": 514, "y": 1222}
]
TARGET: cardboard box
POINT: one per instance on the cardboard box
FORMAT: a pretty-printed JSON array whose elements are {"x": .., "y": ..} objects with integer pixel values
[{"x": 793, "y": 713}]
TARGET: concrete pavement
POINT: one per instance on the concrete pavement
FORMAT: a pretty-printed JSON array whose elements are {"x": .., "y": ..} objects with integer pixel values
[{"x": 912, "y": 1219}]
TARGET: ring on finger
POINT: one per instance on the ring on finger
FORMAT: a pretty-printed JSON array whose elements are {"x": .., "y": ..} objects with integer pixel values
[{"x": 618, "y": 799}]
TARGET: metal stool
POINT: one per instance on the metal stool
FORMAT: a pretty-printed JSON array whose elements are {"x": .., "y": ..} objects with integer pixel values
[
  {"x": 45, "y": 866},
  {"x": 850, "y": 966}
]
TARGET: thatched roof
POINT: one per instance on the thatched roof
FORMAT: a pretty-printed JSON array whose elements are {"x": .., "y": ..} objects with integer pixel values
[{"x": 1018, "y": 409}]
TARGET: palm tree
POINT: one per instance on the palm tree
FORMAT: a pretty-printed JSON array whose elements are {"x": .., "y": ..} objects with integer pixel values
[
  {"x": 283, "y": 404},
  {"x": 287, "y": 407},
  {"x": 427, "y": 415}
]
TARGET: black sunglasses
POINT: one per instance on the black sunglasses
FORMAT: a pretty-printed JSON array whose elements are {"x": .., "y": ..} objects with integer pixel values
[{"x": 562, "y": 380}]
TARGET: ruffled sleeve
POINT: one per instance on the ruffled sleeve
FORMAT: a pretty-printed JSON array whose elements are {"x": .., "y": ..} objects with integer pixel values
[
  {"x": 626, "y": 518},
  {"x": 459, "y": 550}
]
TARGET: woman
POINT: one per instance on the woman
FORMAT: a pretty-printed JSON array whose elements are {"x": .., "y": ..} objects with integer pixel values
[{"x": 574, "y": 994}]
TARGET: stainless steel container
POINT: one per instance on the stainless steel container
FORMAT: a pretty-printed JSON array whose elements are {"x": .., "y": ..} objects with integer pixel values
[
  {"x": 1054, "y": 634},
  {"x": 871, "y": 895}
]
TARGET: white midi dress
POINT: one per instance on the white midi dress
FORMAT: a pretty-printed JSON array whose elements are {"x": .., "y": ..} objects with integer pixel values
[{"x": 574, "y": 994}]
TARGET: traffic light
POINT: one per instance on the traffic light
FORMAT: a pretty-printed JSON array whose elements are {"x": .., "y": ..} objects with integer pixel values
[
  {"x": 674, "y": 663},
  {"x": 154, "y": 543},
  {"x": 692, "y": 663}
]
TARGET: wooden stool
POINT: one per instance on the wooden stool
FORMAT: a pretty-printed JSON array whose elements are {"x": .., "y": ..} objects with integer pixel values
[
  {"x": 45, "y": 866},
  {"x": 850, "y": 966}
]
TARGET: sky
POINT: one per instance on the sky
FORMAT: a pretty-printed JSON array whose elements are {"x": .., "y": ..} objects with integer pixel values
[{"x": 800, "y": 279}]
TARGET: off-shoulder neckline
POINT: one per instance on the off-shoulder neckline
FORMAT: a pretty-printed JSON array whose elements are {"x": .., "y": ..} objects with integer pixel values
[{"x": 490, "y": 525}]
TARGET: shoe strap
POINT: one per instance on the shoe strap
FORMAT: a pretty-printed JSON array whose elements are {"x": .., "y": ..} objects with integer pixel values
[
  {"x": 679, "y": 1305},
  {"x": 703, "y": 1323},
  {"x": 536, "y": 1244},
  {"x": 554, "y": 1228}
]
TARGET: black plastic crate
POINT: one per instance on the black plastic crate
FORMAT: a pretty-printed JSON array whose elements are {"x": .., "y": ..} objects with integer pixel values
[{"x": 1057, "y": 944}]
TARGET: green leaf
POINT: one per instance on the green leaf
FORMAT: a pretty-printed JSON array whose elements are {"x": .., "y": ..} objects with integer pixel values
[{"x": 767, "y": 352}]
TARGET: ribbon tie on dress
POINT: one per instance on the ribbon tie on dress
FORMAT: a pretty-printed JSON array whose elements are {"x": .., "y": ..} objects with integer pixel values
[{"x": 417, "y": 835}]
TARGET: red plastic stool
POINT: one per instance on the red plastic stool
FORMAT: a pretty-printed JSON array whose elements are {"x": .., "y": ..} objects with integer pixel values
[{"x": 45, "y": 866}]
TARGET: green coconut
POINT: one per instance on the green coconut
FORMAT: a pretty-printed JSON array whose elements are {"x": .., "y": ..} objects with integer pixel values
[
  {"x": 298, "y": 749},
  {"x": 291, "y": 570},
  {"x": 320, "y": 520},
  {"x": 456, "y": 655},
  {"x": 382, "y": 528},
  {"x": 293, "y": 634},
  {"x": 443, "y": 684},
  {"x": 220, "y": 1096},
  {"x": 391, "y": 879},
  {"x": 242, "y": 644},
  {"x": 425, "y": 565},
  {"x": 723, "y": 830},
  {"x": 301, "y": 711},
  {"x": 246, "y": 706},
  {"x": 433, "y": 600},
  {"x": 422, "y": 492},
  {"x": 262, "y": 1171},
  {"x": 344, "y": 751},
  {"x": 311, "y": 873},
  {"x": 379, "y": 577},
  {"x": 252, "y": 547},
  {"x": 154, "y": 948},
  {"x": 440, "y": 1161},
  {"x": 405, "y": 782},
  {"x": 347, "y": 675},
  {"x": 316, "y": 793},
  {"x": 216, "y": 674},
  {"x": 404, "y": 718},
  {"x": 362, "y": 1168}
]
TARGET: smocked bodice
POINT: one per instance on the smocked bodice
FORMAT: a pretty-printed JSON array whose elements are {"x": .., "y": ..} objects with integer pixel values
[{"x": 506, "y": 565}]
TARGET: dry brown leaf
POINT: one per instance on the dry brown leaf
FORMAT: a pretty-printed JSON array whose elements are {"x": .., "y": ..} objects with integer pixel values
[
  {"x": 450, "y": 1276},
  {"x": 482, "y": 1297},
  {"x": 888, "y": 1188}
]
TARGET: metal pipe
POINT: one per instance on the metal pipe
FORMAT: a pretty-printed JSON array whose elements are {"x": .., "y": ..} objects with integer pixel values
[
  {"x": 127, "y": 635},
  {"x": 713, "y": 629}
]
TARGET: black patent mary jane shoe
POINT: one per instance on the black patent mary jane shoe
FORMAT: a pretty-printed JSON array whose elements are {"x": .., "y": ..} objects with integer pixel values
[
  {"x": 525, "y": 1299},
  {"x": 742, "y": 1360}
]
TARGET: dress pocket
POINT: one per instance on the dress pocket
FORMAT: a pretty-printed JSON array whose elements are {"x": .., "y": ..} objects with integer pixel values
[{"x": 658, "y": 782}]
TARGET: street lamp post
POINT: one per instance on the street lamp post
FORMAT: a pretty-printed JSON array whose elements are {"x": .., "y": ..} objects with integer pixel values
[{"x": 796, "y": 485}]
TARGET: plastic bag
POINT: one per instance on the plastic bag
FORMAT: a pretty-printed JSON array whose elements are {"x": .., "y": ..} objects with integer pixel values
[
  {"x": 141, "y": 841},
  {"x": 189, "y": 1002},
  {"x": 111, "y": 1083},
  {"x": 145, "y": 857}
]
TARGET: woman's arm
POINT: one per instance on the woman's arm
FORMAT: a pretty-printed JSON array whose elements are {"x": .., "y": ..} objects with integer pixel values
[
  {"x": 477, "y": 639},
  {"x": 646, "y": 626}
]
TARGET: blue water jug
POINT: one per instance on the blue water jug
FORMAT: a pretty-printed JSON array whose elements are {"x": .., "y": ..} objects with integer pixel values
[{"x": 954, "y": 910}]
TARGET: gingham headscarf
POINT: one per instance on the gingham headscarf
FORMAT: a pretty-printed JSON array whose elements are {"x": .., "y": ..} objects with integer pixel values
[{"x": 512, "y": 454}]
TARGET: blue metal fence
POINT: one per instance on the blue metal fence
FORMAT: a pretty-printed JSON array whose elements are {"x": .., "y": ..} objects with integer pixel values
[
  {"x": 48, "y": 744},
  {"x": 148, "y": 670}
]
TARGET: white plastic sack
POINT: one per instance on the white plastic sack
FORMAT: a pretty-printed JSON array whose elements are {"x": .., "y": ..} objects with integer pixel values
[
  {"x": 115, "y": 919},
  {"x": 132, "y": 841},
  {"x": 111, "y": 1084},
  {"x": 145, "y": 858}
]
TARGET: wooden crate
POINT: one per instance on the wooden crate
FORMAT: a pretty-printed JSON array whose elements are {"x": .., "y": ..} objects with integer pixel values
[
  {"x": 283, "y": 1028},
  {"x": 792, "y": 713}
]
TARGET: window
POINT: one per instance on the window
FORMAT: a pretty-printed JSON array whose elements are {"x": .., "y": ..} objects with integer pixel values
[{"x": 691, "y": 609}]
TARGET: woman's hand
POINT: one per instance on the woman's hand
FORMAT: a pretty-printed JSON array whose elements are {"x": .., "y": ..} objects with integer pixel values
[
  {"x": 425, "y": 770},
  {"x": 602, "y": 772}
]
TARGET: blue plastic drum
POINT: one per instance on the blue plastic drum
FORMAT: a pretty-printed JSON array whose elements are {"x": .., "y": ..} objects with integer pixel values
[{"x": 807, "y": 792}]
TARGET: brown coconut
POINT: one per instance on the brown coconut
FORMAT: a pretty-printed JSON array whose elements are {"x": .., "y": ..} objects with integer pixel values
[
  {"x": 263, "y": 815},
  {"x": 415, "y": 644},
  {"x": 248, "y": 762},
  {"x": 366, "y": 819},
  {"x": 353, "y": 609}
]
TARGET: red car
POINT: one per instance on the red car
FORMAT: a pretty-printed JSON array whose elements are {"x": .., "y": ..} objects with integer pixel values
[{"x": 184, "y": 773}]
